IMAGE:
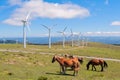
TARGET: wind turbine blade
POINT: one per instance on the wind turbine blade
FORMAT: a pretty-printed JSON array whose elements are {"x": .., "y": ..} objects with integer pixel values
[
  {"x": 64, "y": 29},
  {"x": 28, "y": 26},
  {"x": 59, "y": 32},
  {"x": 63, "y": 34},
  {"x": 45, "y": 26},
  {"x": 71, "y": 31},
  {"x": 79, "y": 33},
  {"x": 53, "y": 26},
  {"x": 27, "y": 16}
]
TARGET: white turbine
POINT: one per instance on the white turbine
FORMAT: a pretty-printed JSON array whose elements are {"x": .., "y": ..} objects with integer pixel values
[
  {"x": 4, "y": 40},
  {"x": 63, "y": 33},
  {"x": 83, "y": 40},
  {"x": 49, "y": 30},
  {"x": 79, "y": 38},
  {"x": 72, "y": 35},
  {"x": 25, "y": 24}
]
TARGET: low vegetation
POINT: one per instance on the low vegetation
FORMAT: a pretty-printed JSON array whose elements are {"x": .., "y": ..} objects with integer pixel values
[{"x": 34, "y": 62}]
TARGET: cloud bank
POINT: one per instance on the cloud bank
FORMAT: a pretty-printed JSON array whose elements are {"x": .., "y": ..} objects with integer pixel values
[
  {"x": 14, "y": 2},
  {"x": 42, "y": 9},
  {"x": 99, "y": 33},
  {"x": 115, "y": 23}
]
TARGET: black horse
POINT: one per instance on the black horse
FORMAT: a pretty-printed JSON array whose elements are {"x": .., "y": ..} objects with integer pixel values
[{"x": 95, "y": 62}]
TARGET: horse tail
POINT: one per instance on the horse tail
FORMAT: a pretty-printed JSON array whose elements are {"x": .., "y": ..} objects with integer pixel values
[{"x": 105, "y": 64}]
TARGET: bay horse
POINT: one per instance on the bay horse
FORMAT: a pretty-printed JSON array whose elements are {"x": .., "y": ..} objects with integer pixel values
[
  {"x": 95, "y": 62},
  {"x": 80, "y": 59},
  {"x": 64, "y": 63}
]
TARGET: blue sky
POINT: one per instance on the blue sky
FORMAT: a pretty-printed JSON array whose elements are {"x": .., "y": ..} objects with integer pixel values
[{"x": 90, "y": 17}]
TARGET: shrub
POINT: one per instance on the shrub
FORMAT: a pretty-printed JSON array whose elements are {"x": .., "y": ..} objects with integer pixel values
[{"x": 42, "y": 78}]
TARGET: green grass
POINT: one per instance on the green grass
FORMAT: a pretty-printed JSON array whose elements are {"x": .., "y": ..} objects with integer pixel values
[
  {"x": 32, "y": 64},
  {"x": 93, "y": 49}
]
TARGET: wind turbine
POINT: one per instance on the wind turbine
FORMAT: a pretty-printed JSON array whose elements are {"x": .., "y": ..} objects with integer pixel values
[
  {"x": 83, "y": 39},
  {"x": 16, "y": 41},
  {"x": 49, "y": 30},
  {"x": 79, "y": 38},
  {"x": 63, "y": 33},
  {"x": 72, "y": 35},
  {"x": 25, "y": 24},
  {"x": 4, "y": 40}
]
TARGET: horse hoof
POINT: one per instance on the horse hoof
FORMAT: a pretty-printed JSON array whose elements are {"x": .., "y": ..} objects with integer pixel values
[{"x": 74, "y": 74}]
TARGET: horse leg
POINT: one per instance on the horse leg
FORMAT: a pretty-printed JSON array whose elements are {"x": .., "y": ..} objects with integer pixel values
[
  {"x": 94, "y": 67},
  {"x": 75, "y": 72},
  {"x": 101, "y": 67},
  {"x": 63, "y": 70},
  {"x": 60, "y": 69},
  {"x": 74, "y": 68}
]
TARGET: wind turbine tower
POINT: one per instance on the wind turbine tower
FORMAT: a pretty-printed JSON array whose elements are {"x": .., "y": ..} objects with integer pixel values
[
  {"x": 83, "y": 39},
  {"x": 25, "y": 24},
  {"x": 72, "y": 35},
  {"x": 63, "y": 33},
  {"x": 79, "y": 38},
  {"x": 49, "y": 30}
]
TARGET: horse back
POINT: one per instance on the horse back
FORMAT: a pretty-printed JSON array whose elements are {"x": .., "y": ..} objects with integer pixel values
[
  {"x": 96, "y": 61},
  {"x": 71, "y": 62}
]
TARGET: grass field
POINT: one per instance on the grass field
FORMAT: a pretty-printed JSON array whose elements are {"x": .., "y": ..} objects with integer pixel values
[{"x": 34, "y": 62}]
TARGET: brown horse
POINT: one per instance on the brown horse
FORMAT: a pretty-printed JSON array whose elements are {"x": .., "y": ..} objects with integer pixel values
[
  {"x": 95, "y": 62},
  {"x": 80, "y": 59},
  {"x": 65, "y": 62}
]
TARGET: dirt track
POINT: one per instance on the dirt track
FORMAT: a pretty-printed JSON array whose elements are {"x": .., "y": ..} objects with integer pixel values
[
  {"x": 110, "y": 59},
  {"x": 89, "y": 57}
]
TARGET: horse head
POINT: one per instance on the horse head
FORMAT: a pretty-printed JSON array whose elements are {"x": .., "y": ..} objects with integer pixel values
[
  {"x": 80, "y": 59},
  {"x": 88, "y": 65},
  {"x": 54, "y": 59}
]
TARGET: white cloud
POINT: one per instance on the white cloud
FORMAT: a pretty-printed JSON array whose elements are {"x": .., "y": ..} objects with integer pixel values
[
  {"x": 115, "y": 23},
  {"x": 43, "y": 9},
  {"x": 15, "y": 2},
  {"x": 102, "y": 33}
]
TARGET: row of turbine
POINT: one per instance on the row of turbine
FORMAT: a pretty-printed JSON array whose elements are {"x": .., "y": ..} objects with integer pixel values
[{"x": 26, "y": 24}]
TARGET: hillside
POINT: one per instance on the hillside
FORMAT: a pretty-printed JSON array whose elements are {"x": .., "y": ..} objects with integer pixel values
[
  {"x": 92, "y": 49},
  {"x": 34, "y": 62}
]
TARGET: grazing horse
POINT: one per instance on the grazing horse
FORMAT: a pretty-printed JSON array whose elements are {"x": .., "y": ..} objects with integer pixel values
[
  {"x": 95, "y": 62},
  {"x": 64, "y": 63}
]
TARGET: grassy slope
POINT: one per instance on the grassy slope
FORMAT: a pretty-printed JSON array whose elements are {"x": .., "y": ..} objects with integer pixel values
[
  {"x": 29, "y": 66},
  {"x": 93, "y": 49}
]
